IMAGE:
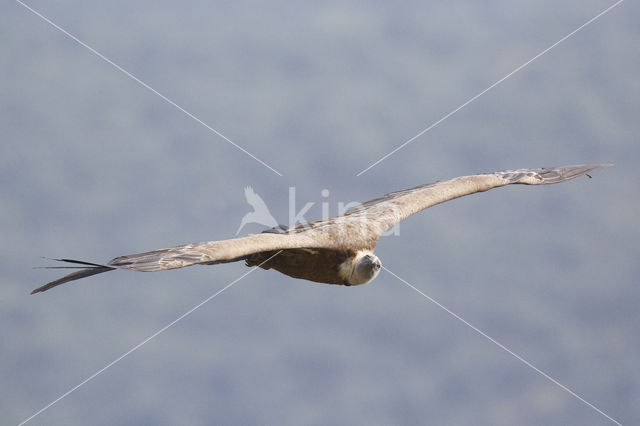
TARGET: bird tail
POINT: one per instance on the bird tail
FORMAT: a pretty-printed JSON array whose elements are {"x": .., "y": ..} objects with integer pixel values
[{"x": 93, "y": 269}]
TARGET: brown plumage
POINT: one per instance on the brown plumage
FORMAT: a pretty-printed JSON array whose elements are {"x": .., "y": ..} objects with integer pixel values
[
  {"x": 319, "y": 264},
  {"x": 338, "y": 250}
]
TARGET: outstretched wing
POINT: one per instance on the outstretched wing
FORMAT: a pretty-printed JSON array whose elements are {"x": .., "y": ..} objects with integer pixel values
[
  {"x": 214, "y": 252},
  {"x": 209, "y": 253},
  {"x": 390, "y": 209}
]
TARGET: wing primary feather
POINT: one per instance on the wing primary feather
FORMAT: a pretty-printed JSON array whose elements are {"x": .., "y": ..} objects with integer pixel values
[
  {"x": 73, "y": 276},
  {"x": 80, "y": 262},
  {"x": 551, "y": 175},
  {"x": 59, "y": 267}
]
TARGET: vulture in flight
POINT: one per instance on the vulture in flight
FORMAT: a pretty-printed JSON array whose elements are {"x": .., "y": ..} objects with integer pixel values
[{"x": 338, "y": 250}]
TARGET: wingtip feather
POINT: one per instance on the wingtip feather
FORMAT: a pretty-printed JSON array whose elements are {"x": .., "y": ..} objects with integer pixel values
[{"x": 87, "y": 272}]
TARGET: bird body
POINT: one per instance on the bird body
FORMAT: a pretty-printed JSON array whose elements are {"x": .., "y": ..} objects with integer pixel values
[
  {"x": 338, "y": 250},
  {"x": 328, "y": 266}
]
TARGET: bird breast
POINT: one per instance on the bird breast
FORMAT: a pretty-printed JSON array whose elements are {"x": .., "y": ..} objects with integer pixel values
[{"x": 313, "y": 264}]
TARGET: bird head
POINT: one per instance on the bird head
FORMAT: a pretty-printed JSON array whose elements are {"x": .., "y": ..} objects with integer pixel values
[{"x": 366, "y": 268}]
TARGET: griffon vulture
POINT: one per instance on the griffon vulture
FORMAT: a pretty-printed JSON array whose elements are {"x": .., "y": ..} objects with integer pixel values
[{"x": 338, "y": 250}]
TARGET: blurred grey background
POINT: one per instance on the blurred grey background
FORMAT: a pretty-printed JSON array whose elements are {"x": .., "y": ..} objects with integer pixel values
[{"x": 94, "y": 166}]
